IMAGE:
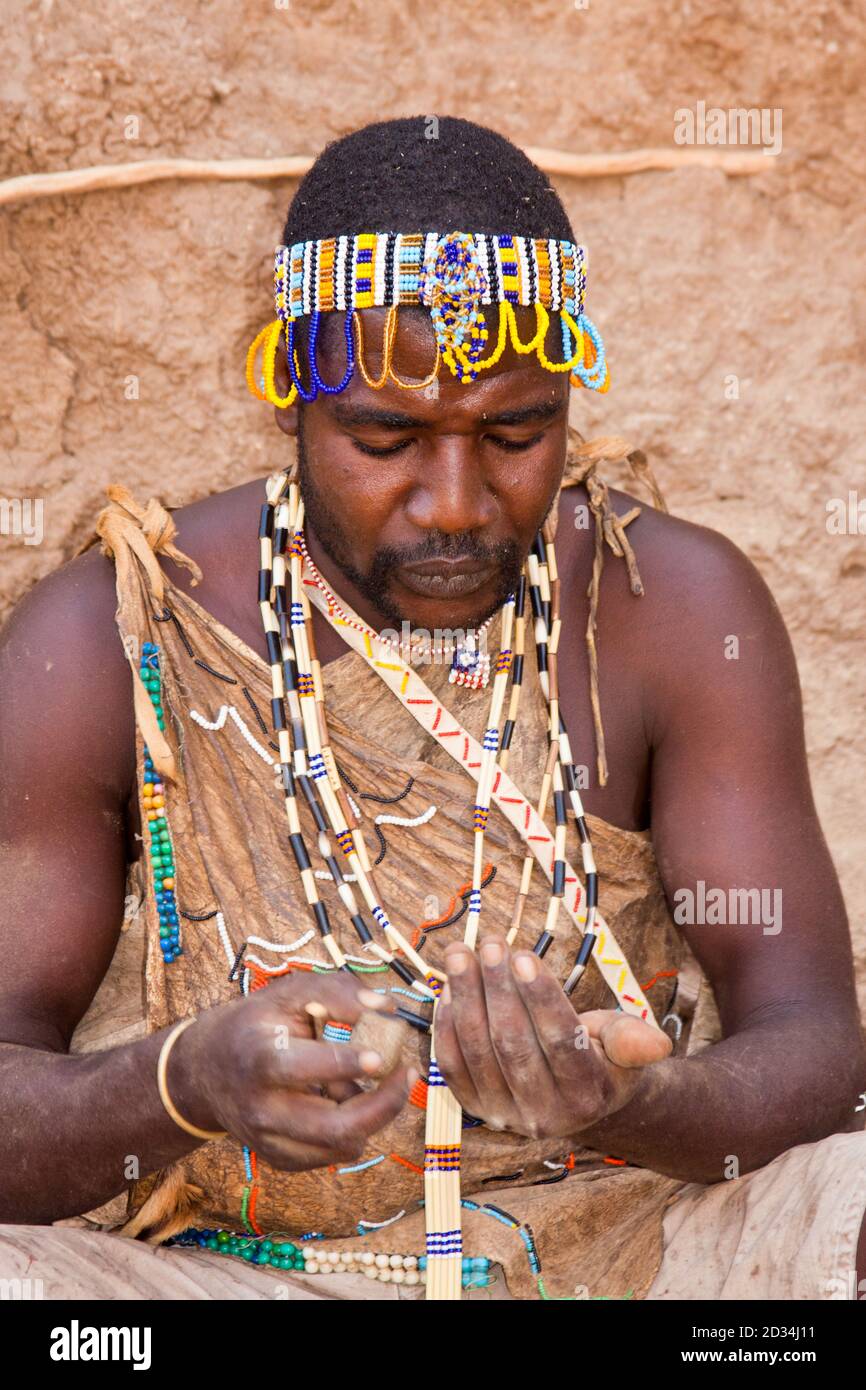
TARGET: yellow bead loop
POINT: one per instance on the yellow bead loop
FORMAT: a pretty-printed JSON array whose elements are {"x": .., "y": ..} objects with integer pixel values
[
  {"x": 387, "y": 347},
  {"x": 252, "y": 385},
  {"x": 541, "y": 327},
  {"x": 269, "y": 355},
  {"x": 573, "y": 361}
]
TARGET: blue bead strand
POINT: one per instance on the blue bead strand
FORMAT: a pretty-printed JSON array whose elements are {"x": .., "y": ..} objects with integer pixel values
[
  {"x": 304, "y": 394},
  {"x": 315, "y": 377},
  {"x": 592, "y": 377}
]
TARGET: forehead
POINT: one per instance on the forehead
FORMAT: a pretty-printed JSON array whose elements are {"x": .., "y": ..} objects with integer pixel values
[{"x": 514, "y": 379}]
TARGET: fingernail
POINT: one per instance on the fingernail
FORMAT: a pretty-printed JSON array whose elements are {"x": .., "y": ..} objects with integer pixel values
[
  {"x": 445, "y": 996},
  {"x": 369, "y": 1000},
  {"x": 370, "y": 1060},
  {"x": 457, "y": 961},
  {"x": 525, "y": 966},
  {"x": 492, "y": 952},
  {"x": 316, "y": 1010},
  {"x": 412, "y": 1076}
]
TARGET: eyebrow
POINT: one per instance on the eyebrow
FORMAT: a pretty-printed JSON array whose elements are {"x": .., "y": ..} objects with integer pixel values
[
  {"x": 359, "y": 415},
  {"x": 544, "y": 410}
]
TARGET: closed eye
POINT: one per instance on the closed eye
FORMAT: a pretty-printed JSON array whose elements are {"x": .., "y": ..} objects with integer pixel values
[
  {"x": 509, "y": 446},
  {"x": 513, "y": 446},
  {"x": 381, "y": 453}
]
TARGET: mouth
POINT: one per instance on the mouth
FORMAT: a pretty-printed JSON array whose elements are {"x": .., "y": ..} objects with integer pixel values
[{"x": 445, "y": 578}]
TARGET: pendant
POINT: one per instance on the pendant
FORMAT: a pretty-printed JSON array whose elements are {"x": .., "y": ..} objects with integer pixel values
[{"x": 469, "y": 666}]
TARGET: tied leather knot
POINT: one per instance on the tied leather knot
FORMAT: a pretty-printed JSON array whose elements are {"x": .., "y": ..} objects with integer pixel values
[
  {"x": 147, "y": 531},
  {"x": 127, "y": 529}
]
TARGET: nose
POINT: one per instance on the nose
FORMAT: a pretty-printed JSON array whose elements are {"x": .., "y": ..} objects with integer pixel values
[{"x": 451, "y": 493}]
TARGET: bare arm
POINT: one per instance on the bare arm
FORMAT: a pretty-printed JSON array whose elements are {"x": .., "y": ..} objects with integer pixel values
[
  {"x": 732, "y": 807},
  {"x": 68, "y": 1124}
]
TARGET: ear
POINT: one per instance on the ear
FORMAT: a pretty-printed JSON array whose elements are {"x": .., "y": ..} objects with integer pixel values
[{"x": 287, "y": 418}]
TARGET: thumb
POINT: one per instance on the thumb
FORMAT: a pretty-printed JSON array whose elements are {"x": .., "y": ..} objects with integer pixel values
[{"x": 627, "y": 1041}]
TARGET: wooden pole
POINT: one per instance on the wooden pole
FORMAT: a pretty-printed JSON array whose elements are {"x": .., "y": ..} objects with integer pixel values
[{"x": 27, "y": 187}]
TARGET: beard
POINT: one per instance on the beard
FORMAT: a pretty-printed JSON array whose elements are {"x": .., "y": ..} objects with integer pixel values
[{"x": 375, "y": 582}]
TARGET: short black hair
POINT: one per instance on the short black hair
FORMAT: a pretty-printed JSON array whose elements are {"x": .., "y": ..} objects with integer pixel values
[{"x": 425, "y": 173}]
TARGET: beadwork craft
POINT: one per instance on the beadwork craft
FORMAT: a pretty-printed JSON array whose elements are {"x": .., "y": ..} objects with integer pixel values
[
  {"x": 471, "y": 284},
  {"x": 453, "y": 274}
]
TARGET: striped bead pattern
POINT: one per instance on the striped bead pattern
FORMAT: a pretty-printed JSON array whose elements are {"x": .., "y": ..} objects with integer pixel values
[{"x": 376, "y": 269}]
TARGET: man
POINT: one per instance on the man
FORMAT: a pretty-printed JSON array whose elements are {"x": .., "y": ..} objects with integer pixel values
[{"x": 421, "y": 507}]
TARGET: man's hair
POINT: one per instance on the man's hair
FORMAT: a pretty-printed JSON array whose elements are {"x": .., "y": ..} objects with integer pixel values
[{"x": 424, "y": 173}]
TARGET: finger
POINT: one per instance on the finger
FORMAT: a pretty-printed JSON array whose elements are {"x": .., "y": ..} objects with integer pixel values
[
  {"x": 288, "y": 1156},
  {"x": 371, "y": 1110},
  {"x": 522, "y": 1060},
  {"x": 633, "y": 1043},
  {"x": 296, "y": 1062},
  {"x": 466, "y": 1002},
  {"x": 452, "y": 1063},
  {"x": 280, "y": 1121},
  {"x": 562, "y": 1033},
  {"x": 338, "y": 995},
  {"x": 341, "y": 1090}
]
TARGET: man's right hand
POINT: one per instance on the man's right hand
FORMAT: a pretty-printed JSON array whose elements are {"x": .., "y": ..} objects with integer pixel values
[{"x": 256, "y": 1069}]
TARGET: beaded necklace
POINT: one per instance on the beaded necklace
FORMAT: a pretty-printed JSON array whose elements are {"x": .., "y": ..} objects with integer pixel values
[{"x": 306, "y": 759}]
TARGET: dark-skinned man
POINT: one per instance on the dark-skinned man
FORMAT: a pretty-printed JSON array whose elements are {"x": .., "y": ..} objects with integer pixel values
[{"x": 421, "y": 506}]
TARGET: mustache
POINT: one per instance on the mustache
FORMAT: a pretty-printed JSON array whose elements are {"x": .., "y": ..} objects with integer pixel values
[{"x": 441, "y": 545}]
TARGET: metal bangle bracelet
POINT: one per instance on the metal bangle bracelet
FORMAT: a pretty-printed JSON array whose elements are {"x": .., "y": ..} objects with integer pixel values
[{"x": 162, "y": 1084}]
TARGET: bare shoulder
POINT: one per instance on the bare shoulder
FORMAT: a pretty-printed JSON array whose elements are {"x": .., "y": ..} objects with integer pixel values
[
  {"x": 65, "y": 680},
  {"x": 706, "y": 621},
  {"x": 692, "y": 575}
]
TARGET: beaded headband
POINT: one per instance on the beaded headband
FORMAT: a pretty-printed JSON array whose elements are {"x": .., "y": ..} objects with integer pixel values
[{"x": 453, "y": 274}]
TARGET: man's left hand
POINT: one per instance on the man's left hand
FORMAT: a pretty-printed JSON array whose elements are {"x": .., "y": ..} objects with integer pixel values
[{"x": 517, "y": 1055}]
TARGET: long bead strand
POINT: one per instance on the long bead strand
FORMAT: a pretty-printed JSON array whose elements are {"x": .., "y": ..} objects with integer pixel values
[
  {"x": 294, "y": 766},
  {"x": 279, "y": 658},
  {"x": 557, "y": 723},
  {"x": 348, "y": 825},
  {"x": 324, "y": 770},
  {"x": 490, "y": 748},
  {"x": 516, "y": 673},
  {"x": 444, "y": 1120}
]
